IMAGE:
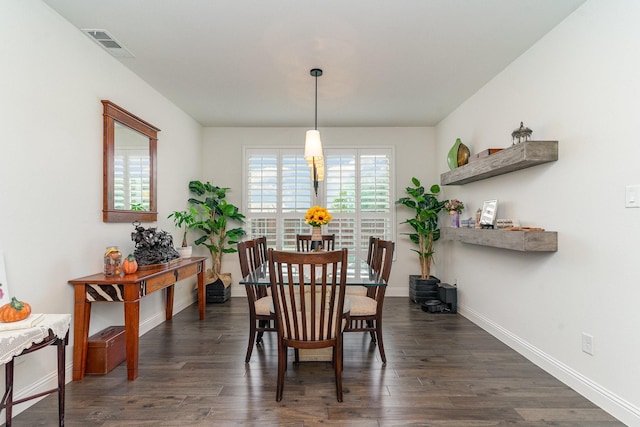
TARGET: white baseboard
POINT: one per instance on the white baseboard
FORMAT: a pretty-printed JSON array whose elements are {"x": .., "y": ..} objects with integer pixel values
[{"x": 604, "y": 398}]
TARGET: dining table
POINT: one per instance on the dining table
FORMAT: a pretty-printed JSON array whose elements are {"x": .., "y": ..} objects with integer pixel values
[
  {"x": 359, "y": 276},
  {"x": 359, "y": 273}
]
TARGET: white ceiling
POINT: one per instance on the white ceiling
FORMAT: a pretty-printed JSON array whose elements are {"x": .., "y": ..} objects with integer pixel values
[{"x": 385, "y": 62}]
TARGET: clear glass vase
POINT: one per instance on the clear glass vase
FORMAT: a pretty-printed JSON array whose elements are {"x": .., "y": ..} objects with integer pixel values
[{"x": 112, "y": 261}]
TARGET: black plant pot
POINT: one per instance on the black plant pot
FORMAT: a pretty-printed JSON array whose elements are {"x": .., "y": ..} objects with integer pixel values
[
  {"x": 421, "y": 290},
  {"x": 217, "y": 292}
]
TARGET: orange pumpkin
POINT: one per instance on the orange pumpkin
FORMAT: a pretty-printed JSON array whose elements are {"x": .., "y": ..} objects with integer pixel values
[
  {"x": 14, "y": 311},
  {"x": 130, "y": 265}
]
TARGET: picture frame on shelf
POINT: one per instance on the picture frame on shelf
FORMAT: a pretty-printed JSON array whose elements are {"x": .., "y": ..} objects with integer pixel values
[
  {"x": 4, "y": 287},
  {"x": 488, "y": 216}
]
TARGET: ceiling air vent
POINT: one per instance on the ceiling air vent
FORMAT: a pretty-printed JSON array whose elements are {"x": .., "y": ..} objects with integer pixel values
[{"x": 111, "y": 45}]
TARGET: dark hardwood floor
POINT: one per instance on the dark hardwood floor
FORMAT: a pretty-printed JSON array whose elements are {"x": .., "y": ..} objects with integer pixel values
[{"x": 442, "y": 370}]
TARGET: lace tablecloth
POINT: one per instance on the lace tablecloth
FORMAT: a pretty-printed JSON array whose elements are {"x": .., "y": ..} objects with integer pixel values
[{"x": 13, "y": 342}]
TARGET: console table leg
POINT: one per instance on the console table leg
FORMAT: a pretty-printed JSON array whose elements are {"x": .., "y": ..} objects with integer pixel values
[
  {"x": 201, "y": 291},
  {"x": 82, "y": 316},
  {"x": 7, "y": 400},
  {"x": 169, "y": 308},
  {"x": 131, "y": 331},
  {"x": 61, "y": 374}
]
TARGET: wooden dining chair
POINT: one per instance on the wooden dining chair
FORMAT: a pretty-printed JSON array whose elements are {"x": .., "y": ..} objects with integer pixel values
[
  {"x": 303, "y": 242},
  {"x": 261, "y": 319},
  {"x": 311, "y": 315},
  {"x": 366, "y": 311},
  {"x": 372, "y": 243}
]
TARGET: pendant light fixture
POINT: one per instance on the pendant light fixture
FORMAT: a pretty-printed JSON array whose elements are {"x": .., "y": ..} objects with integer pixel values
[{"x": 313, "y": 145}]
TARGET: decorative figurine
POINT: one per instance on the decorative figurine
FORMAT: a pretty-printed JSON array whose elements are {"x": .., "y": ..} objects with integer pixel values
[
  {"x": 152, "y": 246},
  {"x": 521, "y": 134}
]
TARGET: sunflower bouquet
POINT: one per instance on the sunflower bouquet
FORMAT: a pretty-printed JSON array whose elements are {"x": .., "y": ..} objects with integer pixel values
[{"x": 317, "y": 216}]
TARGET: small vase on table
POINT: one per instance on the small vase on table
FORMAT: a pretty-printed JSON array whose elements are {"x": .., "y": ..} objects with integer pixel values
[
  {"x": 455, "y": 220},
  {"x": 316, "y": 238}
]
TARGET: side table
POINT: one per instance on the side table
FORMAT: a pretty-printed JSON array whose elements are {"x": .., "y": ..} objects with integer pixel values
[{"x": 49, "y": 329}]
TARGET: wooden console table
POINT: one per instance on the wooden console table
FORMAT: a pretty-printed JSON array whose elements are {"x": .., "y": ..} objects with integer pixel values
[
  {"x": 50, "y": 329},
  {"x": 128, "y": 289}
]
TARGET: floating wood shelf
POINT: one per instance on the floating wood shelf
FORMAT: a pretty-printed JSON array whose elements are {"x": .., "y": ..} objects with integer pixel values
[
  {"x": 524, "y": 241},
  {"x": 516, "y": 157}
]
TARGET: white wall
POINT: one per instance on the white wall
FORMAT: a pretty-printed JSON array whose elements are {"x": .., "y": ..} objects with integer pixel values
[
  {"x": 413, "y": 152},
  {"x": 52, "y": 80},
  {"x": 579, "y": 85}
]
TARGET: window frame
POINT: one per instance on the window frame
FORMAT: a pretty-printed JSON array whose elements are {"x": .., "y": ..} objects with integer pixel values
[{"x": 358, "y": 152}]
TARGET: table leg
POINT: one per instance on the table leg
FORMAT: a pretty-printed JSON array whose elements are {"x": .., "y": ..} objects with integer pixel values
[
  {"x": 61, "y": 361},
  {"x": 82, "y": 314},
  {"x": 132, "y": 329},
  {"x": 7, "y": 400},
  {"x": 201, "y": 288},
  {"x": 169, "y": 309}
]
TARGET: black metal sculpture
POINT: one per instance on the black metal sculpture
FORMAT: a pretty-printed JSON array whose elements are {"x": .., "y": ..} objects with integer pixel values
[{"x": 152, "y": 246}]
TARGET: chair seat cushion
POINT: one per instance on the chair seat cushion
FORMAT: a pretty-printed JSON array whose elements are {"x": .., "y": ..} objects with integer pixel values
[
  {"x": 356, "y": 290},
  {"x": 263, "y": 306},
  {"x": 272, "y": 309},
  {"x": 362, "y": 305}
]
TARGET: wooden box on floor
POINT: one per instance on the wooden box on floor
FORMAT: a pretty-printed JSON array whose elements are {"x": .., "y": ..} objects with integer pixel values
[{"x": 106, "y": 350}]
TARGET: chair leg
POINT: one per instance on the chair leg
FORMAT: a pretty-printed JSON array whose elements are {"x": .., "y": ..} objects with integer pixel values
[
  {"x": 338, "y": 369},
  {"x": 261, "y": 324},
  {"x": 371, "y": 332},
  {"x": 282, "y": 362},
  {"x": 252, "y": 336},
  {"x": 380, "y": 343}
]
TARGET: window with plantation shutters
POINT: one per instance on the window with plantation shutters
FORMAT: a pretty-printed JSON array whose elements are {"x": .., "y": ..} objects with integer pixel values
[
  {"x": 357, "y": 190},
  {"x": 132, "y": 170}
]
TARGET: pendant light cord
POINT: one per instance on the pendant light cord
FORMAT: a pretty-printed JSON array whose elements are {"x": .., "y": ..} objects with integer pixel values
[{"x": 316, "y": 121}]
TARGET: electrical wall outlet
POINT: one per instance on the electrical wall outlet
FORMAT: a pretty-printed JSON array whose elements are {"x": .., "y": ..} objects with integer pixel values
[{"x": 587, "y": 343}]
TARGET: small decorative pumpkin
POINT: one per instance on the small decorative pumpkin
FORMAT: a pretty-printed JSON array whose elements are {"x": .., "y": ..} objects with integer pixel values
[
  {"x": 14, "y": 311},
  {"x": 130, "y": 265}
]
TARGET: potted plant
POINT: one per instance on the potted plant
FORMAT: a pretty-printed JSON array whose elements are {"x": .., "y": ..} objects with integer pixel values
[
  {"x": 212, "y": 222},
  {"x": 426, "y": 207},
  {"x": 186, "y": 219}
]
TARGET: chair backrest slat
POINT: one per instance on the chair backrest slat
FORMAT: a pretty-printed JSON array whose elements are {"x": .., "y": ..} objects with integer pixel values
[
  {"x": 371, "y": 251},
  {"x": 303, "y": 242},
  {"x": 262, "y": 249},
  {"x": 249, "y": 261},
  {"x": 381, "y": 265},
  {"x": 249, "y": 256}
]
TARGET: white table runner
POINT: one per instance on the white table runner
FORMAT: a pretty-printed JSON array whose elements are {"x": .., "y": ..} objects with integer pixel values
[{"x": 35, "y": 329}]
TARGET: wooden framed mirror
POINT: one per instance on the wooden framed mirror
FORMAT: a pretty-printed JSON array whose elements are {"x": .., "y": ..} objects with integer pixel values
[{"x": 129, "y": 167}]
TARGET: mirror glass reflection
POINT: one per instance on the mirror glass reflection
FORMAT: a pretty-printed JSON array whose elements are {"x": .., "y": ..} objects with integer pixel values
[{"x": 131, "y": 169}]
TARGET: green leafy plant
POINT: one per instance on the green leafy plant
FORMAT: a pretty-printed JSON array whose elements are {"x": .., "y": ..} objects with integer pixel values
[
  {"x": 214, "y": 215},
  {"x": 426, "y": 208},
  {"x": 186, "y": 219}
]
